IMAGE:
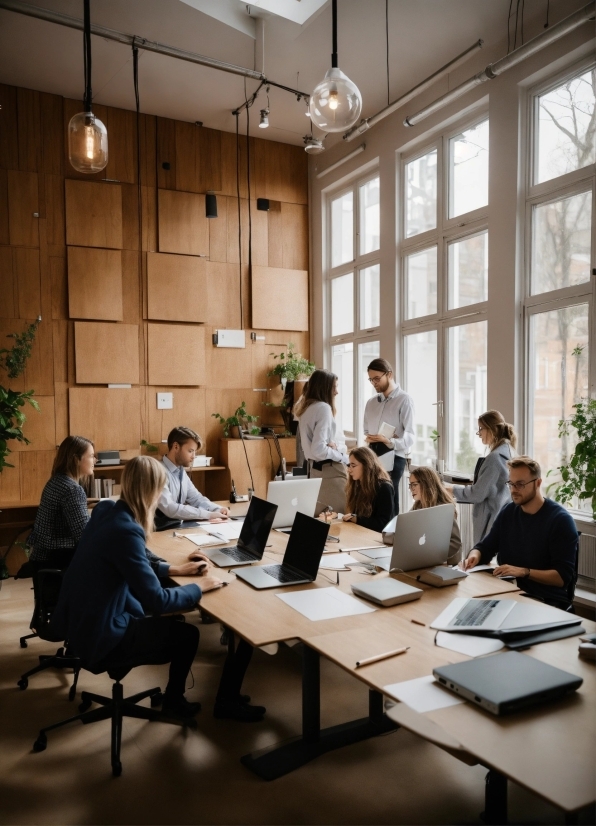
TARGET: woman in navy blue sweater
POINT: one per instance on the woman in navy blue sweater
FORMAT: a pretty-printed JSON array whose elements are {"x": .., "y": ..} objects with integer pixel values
[{"x": 109, "y": 588}]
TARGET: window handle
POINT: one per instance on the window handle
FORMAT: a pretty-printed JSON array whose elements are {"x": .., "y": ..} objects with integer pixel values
[{"x": 439, "y": 404}]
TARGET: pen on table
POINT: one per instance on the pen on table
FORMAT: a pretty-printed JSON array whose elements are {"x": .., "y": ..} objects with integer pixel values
[
  {"x": 417, "y": 622},
  {"x": 384, "y": 656}
]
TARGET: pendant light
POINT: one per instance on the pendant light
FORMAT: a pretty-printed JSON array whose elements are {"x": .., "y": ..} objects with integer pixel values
[
  {"x": 87, "y": 135},
  {"x": 336, "y": 103}
]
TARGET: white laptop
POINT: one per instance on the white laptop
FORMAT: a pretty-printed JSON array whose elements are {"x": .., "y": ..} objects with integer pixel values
[
  {"x": 293, "y": 496},
  {"x": 421, "y": 540},
  {"x": 496, "y": 616}
]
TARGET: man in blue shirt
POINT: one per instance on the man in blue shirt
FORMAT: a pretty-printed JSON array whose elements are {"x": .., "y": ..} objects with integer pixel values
[{"x": 534, "y": 539}]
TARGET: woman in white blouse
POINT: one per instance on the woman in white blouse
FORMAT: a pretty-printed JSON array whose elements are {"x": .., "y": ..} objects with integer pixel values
[{"x": 327, "y": 458}]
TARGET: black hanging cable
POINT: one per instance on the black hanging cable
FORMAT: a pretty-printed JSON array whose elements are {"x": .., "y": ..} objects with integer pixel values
[
  {"x": 239, "y": 214},
  {"x": 523, "y": 8},
  {"x": 88, "y": 98},
  {"x": 547, "y": 11},
  {"x": 248, "y": 194},
  {"x": 135, "y": 74},
  {"x": 334, "y": 33},
  {"x": 516, "y": 23},
  {"x": 387, "y": 45},
  {"x": 509, "y": 27}
]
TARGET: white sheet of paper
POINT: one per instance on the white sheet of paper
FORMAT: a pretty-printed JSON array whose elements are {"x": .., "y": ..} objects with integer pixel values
[
  {"x": 201, "y": 539},
  {"x": 337, "y": 562},
  {"x": 225, "y": 530},
  {"x": 423, "y": 694},
  {"x": 477, "y": 568},
  {"x": 324, "y": 603},
  {"x": 468, "y": 643},
  {"x": 386, "y": 430}
]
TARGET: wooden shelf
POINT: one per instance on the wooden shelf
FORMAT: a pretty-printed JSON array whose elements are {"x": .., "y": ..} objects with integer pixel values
[{"x": 119, "y": 468}]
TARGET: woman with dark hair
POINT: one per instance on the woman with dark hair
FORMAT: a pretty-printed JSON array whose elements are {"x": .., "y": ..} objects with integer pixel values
[
  {"x": 489, "y": 492},
  {"x": 315, "y": 412},
  {"x": 369, "y": 492},
  {"x": 62, "y": 513},
  {"x": 427, "y": 492}
]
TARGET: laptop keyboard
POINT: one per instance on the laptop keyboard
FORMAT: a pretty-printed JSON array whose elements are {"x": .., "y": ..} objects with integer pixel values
[
  {"x": 238, "y": 554},
  {"x": 279, "y": 573},
  {"x": 475, "y": 613}
]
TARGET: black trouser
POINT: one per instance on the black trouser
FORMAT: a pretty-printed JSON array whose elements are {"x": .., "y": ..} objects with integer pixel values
[
  {"x": 233, "y": 671},
  {"x": 399, "y": 464},
  {"x": 155, "y": 641}
]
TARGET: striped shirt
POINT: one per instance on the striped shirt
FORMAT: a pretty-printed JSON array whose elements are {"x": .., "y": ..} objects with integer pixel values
[{"x": 61, "y": 517}]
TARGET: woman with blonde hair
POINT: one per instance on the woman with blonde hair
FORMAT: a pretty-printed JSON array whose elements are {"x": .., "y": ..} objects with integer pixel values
[
  {"x": 369, "y": 491},
  {"x": 489, "y": 491},
  {"x": 110, "y": 588},
  {"x": 427, "y": 492}
]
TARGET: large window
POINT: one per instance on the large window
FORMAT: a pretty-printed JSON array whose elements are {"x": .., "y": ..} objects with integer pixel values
[
  {"x": 354, "y": 275},
  {"x": 444, "y": 266},
  {"x": 559, "y": 295}
]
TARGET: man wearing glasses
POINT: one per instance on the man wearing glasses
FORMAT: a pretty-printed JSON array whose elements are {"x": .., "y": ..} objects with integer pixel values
[
  {"x": 394, "y": 407},
  {"x": 534, "y": 539}
]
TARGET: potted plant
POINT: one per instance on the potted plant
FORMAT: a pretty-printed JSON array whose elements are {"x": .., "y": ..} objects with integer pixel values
[
  {"x": 291, "y": 367},
  {"x": 578, "y": 475},
  {"x": 240, "y": 418}
]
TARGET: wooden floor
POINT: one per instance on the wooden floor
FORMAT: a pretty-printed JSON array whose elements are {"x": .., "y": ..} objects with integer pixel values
[{"x": 175, "y": 777}]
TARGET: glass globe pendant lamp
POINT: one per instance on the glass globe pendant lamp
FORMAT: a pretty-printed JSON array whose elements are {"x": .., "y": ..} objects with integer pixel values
[
  {"x": 87, "y": 135},
  {"x": 336, "y": 102}
]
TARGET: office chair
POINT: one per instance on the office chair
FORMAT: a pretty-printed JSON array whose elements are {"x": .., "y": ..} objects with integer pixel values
[
  {"x": 115, "y": 708},
  {"x": 568, "y": 604},
  {"x": 46, "y": 588}
]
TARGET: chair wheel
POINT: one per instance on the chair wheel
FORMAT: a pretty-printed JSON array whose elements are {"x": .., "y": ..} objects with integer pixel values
[
  {"x": 156, "y": 700},
  {"x": 116, "y": 769},
  {"x": 23, "y": 643},
  {"x": 72, "y": 692},
  {"x": 41, "y": 743},
  {"x": 84, "y": 706},
  {"x": 23, "y": 683}
]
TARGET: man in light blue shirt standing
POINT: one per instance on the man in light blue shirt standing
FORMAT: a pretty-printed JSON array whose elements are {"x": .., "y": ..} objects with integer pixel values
[{"x": 394, "y": 407}]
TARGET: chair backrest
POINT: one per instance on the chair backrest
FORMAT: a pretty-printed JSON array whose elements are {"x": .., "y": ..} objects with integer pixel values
[
  {"x": 573, "y": 583},
  {"x": 46, "y": 589}
]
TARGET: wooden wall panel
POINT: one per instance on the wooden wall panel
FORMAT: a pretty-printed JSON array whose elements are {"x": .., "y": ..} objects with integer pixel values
[
  {"x": 182, "y": 225},
  {"x": 294, "y": 229},
  {"x": 229, "y": 184},
  {"x": 95, "y": 283},
  {"x": 149, "y": 218},
  {"x": 39, "y": 428},
  {"x": 52, "y": 124},
  {"x": 9, "y": 133},
  {"x": 209, "y": 151},
  {"x": 260, "y": 236},
  {"x": 176, "y": 287},
  {"x": 29, "y": 126},
  {"x": 8, "y": 288},
  {"x": 23, "y": 203},
  {"x": 281, "y": 172},
  {"x": 131, "y": 287},
  {"x": 109, "y": 417},
  {"x": 225, "y": 402},
  {"x": 188, "y": 410},
  {"x": 27, "y": 278},
  {"x": 60, "y": 347},
  {"x": 230, "y": 367},
  {"x": 10, "y": 480},
  {"x": 55, "y": 217},
  {"x": 59, "y": 280},
  {"x": 93, "y": 214},
  {"x": 166, "y": 153},
  {"x": 233, "y": 254},
  {"x": 223, "y": 294},
  {"x": 61, "y": 411},
  {"x": 4, "y": 226},
  {"x": 35, "y": 470},
  {"x": 148, "y": 150},
  {"x": 106, "y": 353},
  {"x": 275, "y": 235},
  {"x": 122, "y": 157},
  {"x": 218, "y": 231},
  {"x": 280, "y": 298},
  {"x": 187, "y": 157},
  {"x": 176, "y": 354}
]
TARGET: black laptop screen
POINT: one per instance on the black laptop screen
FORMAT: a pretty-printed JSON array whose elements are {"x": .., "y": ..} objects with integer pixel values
[
  {"x": 306, "y": 544},
  {"x": 256, "y": 526}
]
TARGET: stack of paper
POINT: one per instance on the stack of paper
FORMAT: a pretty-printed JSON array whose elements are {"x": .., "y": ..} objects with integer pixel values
[
  {"x": 227, "y": 531},
  {"x": 324, "y": 603},
  {"x": 202, "y": 539}
]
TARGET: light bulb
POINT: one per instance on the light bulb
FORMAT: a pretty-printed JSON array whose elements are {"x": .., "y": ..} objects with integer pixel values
[
  {"x": 264, "y": 122},
  {"x": 336, "y": 102},
  {"x": 87, "y": 143}
]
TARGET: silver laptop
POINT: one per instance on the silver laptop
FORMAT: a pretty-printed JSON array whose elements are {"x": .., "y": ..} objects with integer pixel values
[
  {"x": 508, "y": 682},
  {"x": 497, "y": 617},
  {"x": 421, "y": 540},
  {"x": 301, "y": 559},
  {"x": 253, "y": 537},
  {"x": 291, "y": 497}
]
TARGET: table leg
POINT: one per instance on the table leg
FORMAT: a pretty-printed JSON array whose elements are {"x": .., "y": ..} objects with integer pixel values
[
  {"x": 281, "y": 759},
  {"x": 495, "y": 799}
]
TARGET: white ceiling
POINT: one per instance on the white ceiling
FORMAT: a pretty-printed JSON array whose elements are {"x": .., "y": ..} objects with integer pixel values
[{"x": 423, "y": 35}]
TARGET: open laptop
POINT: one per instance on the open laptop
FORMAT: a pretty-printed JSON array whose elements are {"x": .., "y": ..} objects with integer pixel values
[
  {"x": 500, "y": 617},
  {"x": 421, "y": 540},
  {"x": 291, "y": 497},
  {"x": 253, "y": 537},
  {"x": 508, "y": 682},
  {"x": 301, "y": 559}
]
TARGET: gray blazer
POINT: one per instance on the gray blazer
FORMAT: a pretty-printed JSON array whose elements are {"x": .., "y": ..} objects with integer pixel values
[{"x": 489, "y": 493}]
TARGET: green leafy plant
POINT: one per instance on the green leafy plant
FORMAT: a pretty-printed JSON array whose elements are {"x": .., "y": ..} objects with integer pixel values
[
  {"x": 240, "y": 418},
  {"x": 291, "y": 365},
  {"x": 578, "y": 475},
  {"x": 12, "y": 417},
  {"x": 434, "y": 435},
  {"x": 148, "y": 446}
]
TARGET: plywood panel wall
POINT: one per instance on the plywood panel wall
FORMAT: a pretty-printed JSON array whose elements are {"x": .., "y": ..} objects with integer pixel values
[{"x": 131, "y": 281}]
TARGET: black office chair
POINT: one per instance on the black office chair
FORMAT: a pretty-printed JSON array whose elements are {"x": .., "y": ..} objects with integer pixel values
[
  {"x": 115, "y": 708},
  {"x": 46, "y": 589},
  {"x": 567, "y": 605}
]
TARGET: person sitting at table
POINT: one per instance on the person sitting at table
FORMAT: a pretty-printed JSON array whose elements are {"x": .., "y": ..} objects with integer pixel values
[
  {"x": 534, "y": 539},
  {"x": 180, "y": 500},
  {"x": 109, "y": 588},
  {"x": 369, "y": 491},
  {"x": 489, "y": 491},
  {"x": 428, "y": 491}
]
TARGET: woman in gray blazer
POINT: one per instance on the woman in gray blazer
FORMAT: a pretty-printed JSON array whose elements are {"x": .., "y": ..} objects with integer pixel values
[{"x": 489, "y": 492}]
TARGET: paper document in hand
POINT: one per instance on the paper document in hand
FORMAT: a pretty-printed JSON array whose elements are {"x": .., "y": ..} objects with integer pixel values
[
  {"x": 202, "y": 540},
  {"x": 227, "y": 531},
  {"x": 337, "y": 562},
  {"x": 423, "y": 694},
  {"x": 324, "y": 603},
  {"x": 468, "y": 643},
  {"x": 386, "y": 430}
]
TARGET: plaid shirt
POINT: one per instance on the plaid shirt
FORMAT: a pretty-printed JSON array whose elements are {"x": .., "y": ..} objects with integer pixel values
[{"x": 61, "y": 517}]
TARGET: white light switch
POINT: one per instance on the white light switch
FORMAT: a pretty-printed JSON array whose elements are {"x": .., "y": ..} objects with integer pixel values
[{"x": 165, "y": 401}]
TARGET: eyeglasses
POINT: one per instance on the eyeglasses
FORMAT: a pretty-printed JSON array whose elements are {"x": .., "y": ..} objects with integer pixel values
[
  {"x": 479, "y": 431},
  {"x": 376, "y": 379},
  {"x": 414, "y": 485},
  {"x": 520, "y": 485}
]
